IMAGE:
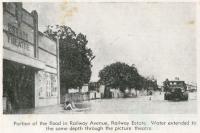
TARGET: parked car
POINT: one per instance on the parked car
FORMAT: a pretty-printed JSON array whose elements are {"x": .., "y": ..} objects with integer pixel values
[{"x": 176, "y": 90}]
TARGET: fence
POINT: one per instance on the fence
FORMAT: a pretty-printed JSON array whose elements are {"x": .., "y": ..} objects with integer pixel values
[{"x": 77, "y": 97}]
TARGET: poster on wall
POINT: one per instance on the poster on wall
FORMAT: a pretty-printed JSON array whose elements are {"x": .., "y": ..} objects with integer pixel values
[{"x": 47, "y": 85}]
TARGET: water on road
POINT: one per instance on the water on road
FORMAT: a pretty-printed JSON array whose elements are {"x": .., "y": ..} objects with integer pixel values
[
  {"x": 143, "y": 105},
  {"x": 139, "y": 105}
]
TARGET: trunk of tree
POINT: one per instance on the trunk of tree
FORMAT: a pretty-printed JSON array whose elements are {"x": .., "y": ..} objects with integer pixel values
[{"x": 136, "y": 93}]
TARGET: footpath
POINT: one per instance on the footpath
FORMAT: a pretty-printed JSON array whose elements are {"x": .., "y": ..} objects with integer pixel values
[{"x": 56, "y": 109}]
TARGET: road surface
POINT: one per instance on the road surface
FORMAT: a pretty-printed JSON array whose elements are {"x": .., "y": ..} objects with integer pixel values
[
  {"x": 142, "y": 105},
  {"x": 139, "y": 105}
]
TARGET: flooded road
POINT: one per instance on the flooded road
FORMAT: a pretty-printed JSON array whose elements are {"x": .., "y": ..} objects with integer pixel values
[
  {"x": 139, "y": 105},
  {"x": 143, "y": 105}
]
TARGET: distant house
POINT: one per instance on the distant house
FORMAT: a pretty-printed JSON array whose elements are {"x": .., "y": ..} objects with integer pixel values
[
  {"x": 102, "y": 90},
  {"x": 96, "y": 90},
  {"x": 116, "y": 93},
  {"x": 73, "y": 90},
  {"x": 84, "y": 88},
  {"x": 191, "y": 87},
  {"x": 130, "y": 92}
]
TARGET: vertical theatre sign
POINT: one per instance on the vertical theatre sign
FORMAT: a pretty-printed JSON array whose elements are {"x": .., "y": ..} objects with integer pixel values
[
  {"x": 17, "y": 36},
  {"x": 17, "y": 40}
]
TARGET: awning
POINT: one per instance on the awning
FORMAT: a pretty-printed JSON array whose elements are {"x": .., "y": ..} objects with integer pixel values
[{"x": 19, "y": 58}]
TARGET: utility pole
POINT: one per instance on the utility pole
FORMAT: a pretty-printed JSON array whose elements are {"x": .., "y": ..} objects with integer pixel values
[{"x": 58, "y": 67}]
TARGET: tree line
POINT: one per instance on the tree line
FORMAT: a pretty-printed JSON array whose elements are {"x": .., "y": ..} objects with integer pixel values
[
  {"x": 75, "y": 57},
  {"x": 123, "y": 76},
  {"x": 76, "y": 63}
]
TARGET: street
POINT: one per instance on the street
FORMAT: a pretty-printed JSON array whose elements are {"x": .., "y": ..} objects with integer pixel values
[
  {"x": 142, "y": 105},
  {"x": 139, "y": 105}
]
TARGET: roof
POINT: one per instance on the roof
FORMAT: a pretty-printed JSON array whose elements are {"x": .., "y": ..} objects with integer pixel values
[{"x": 176, "y": 81}]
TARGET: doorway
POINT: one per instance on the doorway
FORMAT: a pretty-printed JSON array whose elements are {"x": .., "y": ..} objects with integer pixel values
[{"x": 18, "y": 86}]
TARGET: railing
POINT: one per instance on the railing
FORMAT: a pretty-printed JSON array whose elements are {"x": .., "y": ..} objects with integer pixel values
[{"x": 77, "y": 97}]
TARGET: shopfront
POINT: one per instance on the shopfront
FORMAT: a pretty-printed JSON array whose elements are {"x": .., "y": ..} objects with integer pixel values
[{"x": 30, "y": 61}]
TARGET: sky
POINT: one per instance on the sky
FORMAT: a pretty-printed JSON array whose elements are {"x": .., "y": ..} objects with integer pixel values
[{"x": 159, "y": 38}]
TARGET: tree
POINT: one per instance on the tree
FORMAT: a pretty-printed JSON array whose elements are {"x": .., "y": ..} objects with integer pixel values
[
  {"x": 75, "y": 57},
  {"x": 119, "y": 75}
]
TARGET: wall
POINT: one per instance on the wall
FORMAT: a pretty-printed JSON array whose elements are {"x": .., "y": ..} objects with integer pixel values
[
  {"x": 72, "y": 90},
  {"x": 116, "y": 93},
  {"x": 18, "y": 34},
  {"x": 25, "y": 45},
  {"x": 47, "y": 51},
  {"x": 76, "y": 97},
  {"x": 102, "y": 90},
  {"x": 84, "y": 88},
  {"x": 47, "y": 79},
  {"x": 18, "y": 47}
]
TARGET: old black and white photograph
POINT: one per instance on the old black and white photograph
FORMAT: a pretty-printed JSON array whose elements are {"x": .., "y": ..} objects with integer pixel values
[{"x": 99, "y": 58}]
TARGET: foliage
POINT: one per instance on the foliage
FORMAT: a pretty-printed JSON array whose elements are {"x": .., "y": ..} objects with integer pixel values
[
  {"x": 93, "y": 86},
  {"x": 121, "y": 75},
  {"x": 75, "y": 57},
  {"x": 166, "y": 85},
  {"x": 148, "y": 83}
]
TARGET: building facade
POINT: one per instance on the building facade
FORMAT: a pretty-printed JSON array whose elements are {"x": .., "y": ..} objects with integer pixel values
[
  {"x": 192, "y": 87},
  {"x": 30, "y": 61}
]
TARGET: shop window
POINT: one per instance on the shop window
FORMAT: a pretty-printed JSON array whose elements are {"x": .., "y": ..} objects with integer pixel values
[
  {"x": 41, "y": 91},
  {"x": 47, "y": 85},
  {"x": 53, "y": 85}
]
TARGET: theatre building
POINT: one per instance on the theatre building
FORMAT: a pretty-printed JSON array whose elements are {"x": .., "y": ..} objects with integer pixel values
[{"x": 30, "y": 62}]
